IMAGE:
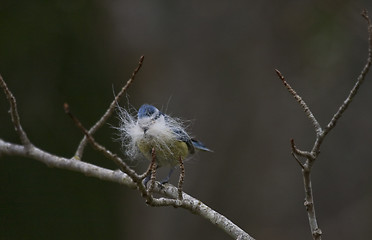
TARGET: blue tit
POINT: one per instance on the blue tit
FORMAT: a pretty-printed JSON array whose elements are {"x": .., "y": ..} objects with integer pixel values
[{"x": 154, "y": 129}]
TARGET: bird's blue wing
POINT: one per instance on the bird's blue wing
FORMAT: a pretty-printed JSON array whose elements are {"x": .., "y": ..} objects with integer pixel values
[
  {"x": 199, "y": 145},
  {"x": 184, "y": 137},
  {"x": 191, "y": 143}
]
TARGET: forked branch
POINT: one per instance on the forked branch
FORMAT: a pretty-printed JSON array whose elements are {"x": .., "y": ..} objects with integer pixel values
[{"x": 310, "y": 156}]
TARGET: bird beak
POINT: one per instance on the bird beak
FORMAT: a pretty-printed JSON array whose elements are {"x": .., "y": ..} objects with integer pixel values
[{"x": 145, "y": 129}]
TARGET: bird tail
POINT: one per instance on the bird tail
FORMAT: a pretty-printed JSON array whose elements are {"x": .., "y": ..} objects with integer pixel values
[{"x": 199, "y": 145}]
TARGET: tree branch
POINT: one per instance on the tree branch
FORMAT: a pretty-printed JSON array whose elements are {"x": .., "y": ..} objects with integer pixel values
[
  {"x": 11, "y": 149},
  {"x": 14, "y": 114},
  {"x": 312, "y": 155},
  {"x": 169, "y": 191}
]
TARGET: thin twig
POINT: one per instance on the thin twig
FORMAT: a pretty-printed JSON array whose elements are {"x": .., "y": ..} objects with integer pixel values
[
  {"x": 301, "y": 153},
  {"x": 302, "y": 103},
  {"x": 359, "y": 81},
  {"x": 118, "y": 161},
  {"x": 14, "y": 114},
  {"x": 109, "y": 111},
  {"x": 181, "y": 178},
  {"x": 298, "y": 161}
]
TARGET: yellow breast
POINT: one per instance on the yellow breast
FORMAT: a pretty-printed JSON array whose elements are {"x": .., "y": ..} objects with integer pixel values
[{"x": 167, "y": 153}]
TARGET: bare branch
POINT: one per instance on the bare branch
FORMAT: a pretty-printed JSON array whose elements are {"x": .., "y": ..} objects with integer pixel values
[
  {"x": 313, "y": 154},
  {"x": 109, "y": 111},
  {"x": 197, "y": 207},
  {"x": 359, "y": 81},
  {"x": 51, "y": 160},
  {"x": 309, "y": 204},
  {"x": 14, "y": 114},
  {"x": 302, "y": 103},
  {"x": 169, "y": 191}
]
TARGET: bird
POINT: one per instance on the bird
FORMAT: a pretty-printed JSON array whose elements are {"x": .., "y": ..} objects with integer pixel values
[{"x": 166, "y": 135}]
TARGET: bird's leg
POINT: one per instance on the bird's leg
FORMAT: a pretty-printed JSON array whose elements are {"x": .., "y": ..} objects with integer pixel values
[
  {"x": 151, "y": 171},
  {"x": 151, "y": 175},
  {"x": 146, "y": 180},
  {"x": 181, "y": 179}
]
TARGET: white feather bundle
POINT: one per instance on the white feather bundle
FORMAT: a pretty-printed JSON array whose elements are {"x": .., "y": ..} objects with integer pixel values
[{"x": 163, "y": 134}]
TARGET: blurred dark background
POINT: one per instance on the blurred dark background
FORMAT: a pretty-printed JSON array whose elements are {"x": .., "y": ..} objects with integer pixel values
[{"x": 207, "y": 61}]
